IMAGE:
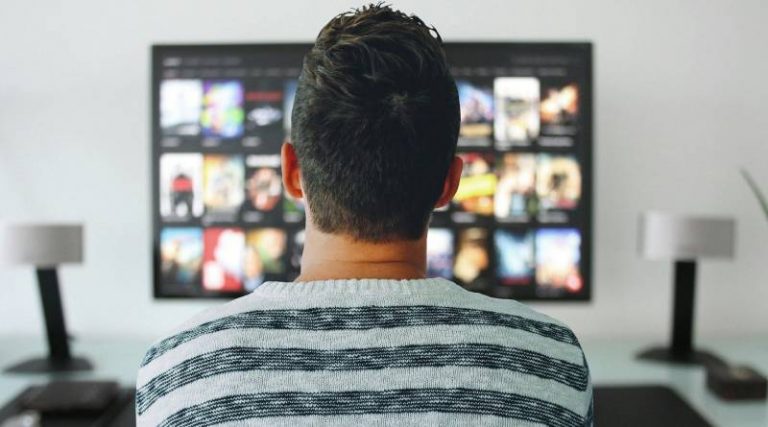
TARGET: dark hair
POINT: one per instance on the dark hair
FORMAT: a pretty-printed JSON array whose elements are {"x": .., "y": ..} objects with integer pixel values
[{"x": 375, "y": 124}]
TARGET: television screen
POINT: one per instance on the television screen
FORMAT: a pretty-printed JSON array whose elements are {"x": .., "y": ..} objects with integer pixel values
[{"x": 519, "y": 225}]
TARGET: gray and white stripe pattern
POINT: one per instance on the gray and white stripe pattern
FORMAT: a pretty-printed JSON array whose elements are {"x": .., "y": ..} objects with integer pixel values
[{"x": 366, "y": 352}]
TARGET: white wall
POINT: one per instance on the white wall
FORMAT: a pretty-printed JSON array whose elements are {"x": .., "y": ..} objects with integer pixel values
[{"x": 681, "y": 90}]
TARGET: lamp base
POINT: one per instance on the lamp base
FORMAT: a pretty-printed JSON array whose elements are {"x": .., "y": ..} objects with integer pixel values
[
  {"x": 44, "y": 365},
  {"x": 695, "y": 357}
]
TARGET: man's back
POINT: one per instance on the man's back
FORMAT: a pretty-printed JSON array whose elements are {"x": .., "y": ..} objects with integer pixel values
[
  {"x": 366, "y": 352},
  {"x": 372, "y": 153}
]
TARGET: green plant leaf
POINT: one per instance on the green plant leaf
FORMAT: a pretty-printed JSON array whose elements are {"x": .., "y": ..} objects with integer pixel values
[{"x": 755, "y": 189}]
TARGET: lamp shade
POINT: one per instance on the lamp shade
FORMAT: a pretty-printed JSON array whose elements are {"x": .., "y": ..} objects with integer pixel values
[
  {"x": 41, "y": 245},
  {"x": 685, "y": 238}
]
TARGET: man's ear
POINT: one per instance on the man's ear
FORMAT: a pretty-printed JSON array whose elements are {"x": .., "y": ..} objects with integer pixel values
[
  {"x": 291, "y": 171},
  {"x": 451, "y": 183}
]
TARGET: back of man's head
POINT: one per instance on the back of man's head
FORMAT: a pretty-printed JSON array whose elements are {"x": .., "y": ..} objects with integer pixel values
[{"x": 375, "y": 124}]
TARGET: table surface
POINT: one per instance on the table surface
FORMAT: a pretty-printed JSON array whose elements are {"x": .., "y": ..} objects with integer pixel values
[{"x": 612, "y": 362}]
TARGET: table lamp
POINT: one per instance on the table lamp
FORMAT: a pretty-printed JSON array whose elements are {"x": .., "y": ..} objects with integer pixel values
[
  {"x": 684, "y": 240},
  {"x": 45, "y": 246}
]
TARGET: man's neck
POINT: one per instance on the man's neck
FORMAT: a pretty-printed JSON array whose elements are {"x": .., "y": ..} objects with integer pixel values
[{"x": 330, "y": 256}]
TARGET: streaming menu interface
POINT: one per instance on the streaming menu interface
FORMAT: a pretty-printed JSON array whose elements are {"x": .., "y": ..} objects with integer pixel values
[{"x": 518, "y": 227}]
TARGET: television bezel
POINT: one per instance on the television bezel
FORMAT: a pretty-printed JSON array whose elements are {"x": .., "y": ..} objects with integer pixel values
[{"x": 582, "y": 48}]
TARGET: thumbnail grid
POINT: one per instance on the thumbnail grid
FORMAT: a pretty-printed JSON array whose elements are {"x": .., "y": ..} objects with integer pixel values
[{"x": 225, "y": 225}]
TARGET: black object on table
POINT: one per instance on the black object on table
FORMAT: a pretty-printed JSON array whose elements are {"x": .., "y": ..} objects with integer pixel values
[
  {"x": 75, "y": 404},
  {"x": 642, "y": 406},
  {"x": 737, "y": 383}
]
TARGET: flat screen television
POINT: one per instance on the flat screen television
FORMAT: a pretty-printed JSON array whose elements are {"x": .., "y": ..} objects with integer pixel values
[{"x": 519, "y": 226}]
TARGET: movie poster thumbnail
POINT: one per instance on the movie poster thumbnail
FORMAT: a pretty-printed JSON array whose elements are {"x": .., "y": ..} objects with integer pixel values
[
  {"x": 558, "y": 258},
  {"x": 181, "y": 186},
  {"x": 476, "y": 107},
  {"x": 181, "y": 256},
  {"x": 263, "y": 188},
  {"x": 515, "y": 263},
  {"x": 559, "y": 114},
  {"x": 440, "y": 253},
  {"x": 516, "y": 111},
  {"x": 515, "y": 199},
  {"x": 476, "y": 187},
  {"x": 264, "y": 116},
  {"x": 223, "y": 259},
  {"x": 263, "y": 259},
  {"x": 289, "y": 96},
  {"x": 472, "y": 262},
  {"x": 558, "y": 185},
  {"x": 223, "y": 186},
  {"x": 181, "y": 103},
  {"x": 223, "y": 114}
]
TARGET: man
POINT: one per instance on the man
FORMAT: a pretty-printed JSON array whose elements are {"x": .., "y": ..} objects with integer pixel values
[{"x": 362, "y": 337}]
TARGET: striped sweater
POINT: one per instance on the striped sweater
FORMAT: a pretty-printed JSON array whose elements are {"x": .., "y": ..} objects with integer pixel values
[{"x": 366, "y": 352}]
